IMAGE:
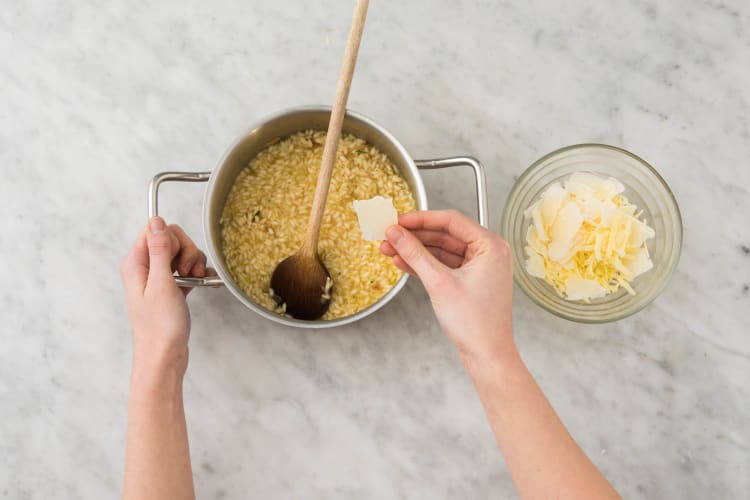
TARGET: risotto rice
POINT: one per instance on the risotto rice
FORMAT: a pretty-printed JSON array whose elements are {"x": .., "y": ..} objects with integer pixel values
[{"x": 267, "y": 210}]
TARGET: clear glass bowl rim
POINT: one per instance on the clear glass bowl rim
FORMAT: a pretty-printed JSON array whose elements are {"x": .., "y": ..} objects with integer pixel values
[{"x": 505, "y": 224}]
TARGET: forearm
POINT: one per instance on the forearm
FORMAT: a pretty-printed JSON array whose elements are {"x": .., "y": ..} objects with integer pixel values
[
  {"x": 157, "y": 462},
  {"x": 544, "y": 460}
]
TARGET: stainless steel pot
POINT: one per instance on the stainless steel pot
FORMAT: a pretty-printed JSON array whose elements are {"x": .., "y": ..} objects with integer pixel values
[{"x": 269, "y": 130}]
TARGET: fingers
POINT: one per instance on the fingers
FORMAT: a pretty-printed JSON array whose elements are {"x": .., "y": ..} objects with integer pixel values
[
  {"x": 161, "y": 251},
  {"x": 446, "y": 248},
  {"x": 437, "y": 239},
  {"x": 449, "y": 221},
  {"x": 399, "y": 263},
  {"x": 134, "y": 267},
  {"x": 440, "y": 239},
  {"x": 199, "y": 270},
  {"x": 448, "y": 258},
  {"x": 416, "y": 256},
  {"x": 158, "y": 251},
  {"x": 387, "y": 249},
  {"x": 190, "y": 261}
]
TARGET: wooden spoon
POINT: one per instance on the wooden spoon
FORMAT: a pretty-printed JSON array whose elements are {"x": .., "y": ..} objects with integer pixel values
[{"x": 301, "y": 281}]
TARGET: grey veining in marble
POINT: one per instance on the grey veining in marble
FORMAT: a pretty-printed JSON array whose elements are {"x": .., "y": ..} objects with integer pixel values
[{"x": 96, "y": 97}]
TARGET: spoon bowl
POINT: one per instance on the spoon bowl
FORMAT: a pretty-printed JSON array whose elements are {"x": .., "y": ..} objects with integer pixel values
[{"x": 301, "y": 284}]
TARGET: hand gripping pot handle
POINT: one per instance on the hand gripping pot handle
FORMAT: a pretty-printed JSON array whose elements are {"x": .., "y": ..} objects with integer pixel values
[
  {"x": 481, "y": 181},
  {"x": 153, "y": 210}
]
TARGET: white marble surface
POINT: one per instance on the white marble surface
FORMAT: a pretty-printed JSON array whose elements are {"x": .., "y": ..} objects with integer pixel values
[{"x": 96, "y": 97}]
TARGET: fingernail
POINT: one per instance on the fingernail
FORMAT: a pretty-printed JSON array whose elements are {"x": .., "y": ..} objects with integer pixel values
[
  {"x": 394, "y": 234},
  {"x": 157, "y": 225}
]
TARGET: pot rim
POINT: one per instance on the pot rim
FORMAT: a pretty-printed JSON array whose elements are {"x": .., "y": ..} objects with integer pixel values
[{"x": 214, "y": 253}]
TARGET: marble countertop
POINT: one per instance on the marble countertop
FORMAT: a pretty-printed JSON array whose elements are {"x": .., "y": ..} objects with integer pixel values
[{"x": 96, "y": 98}]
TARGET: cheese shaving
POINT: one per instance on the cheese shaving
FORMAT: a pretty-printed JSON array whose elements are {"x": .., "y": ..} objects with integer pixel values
[
  {"x": 375, "y": 215},
  {"x": 585, "y": 238}
]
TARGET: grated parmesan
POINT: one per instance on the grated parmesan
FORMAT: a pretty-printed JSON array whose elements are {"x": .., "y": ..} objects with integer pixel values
[{"x": 586, "y": 239}]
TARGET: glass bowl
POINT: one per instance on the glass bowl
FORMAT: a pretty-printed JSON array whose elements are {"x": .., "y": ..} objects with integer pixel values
[{"x": 644, "y": 187}]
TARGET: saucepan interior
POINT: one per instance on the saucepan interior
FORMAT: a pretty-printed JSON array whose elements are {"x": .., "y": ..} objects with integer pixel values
[{"x": 267, "y": 132}]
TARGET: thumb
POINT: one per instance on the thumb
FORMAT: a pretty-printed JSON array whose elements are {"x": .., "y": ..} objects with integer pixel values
[
  {"x": 159, "y": 251},
  {"x": 408, "y": 246}
]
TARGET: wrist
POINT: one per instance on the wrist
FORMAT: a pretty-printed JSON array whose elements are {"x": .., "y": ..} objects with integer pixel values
[
  {"x": 502, "y": 357},
  {"x": 159, "y": 381},
  {"x": 153, "y": 350},
  {"x": 156, "y": 370},
  {"x": 483, "y": 345},
  {"x": 155, "y": 392}
]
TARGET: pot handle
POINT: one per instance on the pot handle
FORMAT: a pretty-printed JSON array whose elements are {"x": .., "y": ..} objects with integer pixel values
[
  {"x": 153, "y": 210},
  {"x": 481, "y": 181}
]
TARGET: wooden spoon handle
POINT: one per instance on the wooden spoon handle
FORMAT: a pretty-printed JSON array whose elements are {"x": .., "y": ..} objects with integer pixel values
[{"x": 310, "y": 243}]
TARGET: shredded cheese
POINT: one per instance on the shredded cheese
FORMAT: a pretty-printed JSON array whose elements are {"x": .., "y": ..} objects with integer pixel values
[{"x": 586, "y": 239}]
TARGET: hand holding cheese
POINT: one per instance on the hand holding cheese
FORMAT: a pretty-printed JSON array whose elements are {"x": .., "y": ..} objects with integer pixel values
[
  {"x": 466, "y": 270},
  {"x": 586, "y": 239}
]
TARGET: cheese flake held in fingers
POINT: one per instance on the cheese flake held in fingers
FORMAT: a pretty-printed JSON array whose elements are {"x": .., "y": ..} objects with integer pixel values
[{"x": 375, "y": 215}]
